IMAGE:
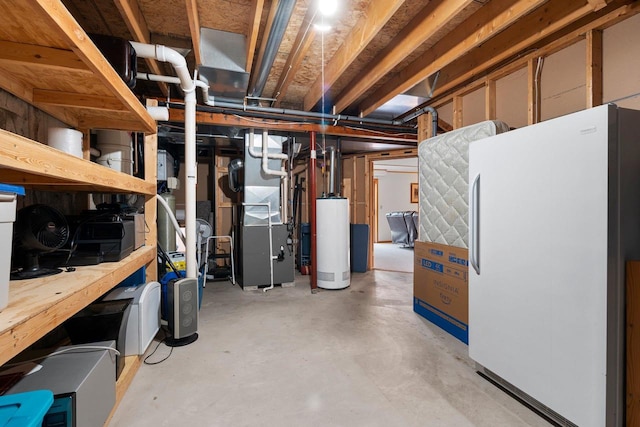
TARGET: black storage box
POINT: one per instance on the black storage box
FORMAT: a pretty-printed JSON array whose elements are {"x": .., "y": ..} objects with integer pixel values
[{"x": 101, "y": 321}]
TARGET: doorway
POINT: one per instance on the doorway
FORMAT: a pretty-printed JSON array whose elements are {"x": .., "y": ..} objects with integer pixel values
[{"x": 391, "y": 184}]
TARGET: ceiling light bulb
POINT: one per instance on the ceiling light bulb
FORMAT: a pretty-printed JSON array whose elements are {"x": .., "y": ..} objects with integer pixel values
[{"x": 327, "y": 7}]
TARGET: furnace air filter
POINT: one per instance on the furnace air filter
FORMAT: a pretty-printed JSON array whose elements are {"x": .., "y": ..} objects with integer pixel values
[{"x": 332, "y": 229}]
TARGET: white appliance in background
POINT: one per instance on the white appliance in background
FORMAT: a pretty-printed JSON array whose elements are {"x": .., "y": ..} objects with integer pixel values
[
  {"x": 554, "y": 214},
  {"x": 144, "y": 315}
]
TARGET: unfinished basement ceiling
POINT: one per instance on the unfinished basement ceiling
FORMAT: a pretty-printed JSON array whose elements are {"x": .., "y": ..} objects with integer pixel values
[{"x": 375, "y": 51}]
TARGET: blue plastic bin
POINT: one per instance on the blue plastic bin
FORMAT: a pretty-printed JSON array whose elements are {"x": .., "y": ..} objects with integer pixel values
[{"x": 25, "y": 409}]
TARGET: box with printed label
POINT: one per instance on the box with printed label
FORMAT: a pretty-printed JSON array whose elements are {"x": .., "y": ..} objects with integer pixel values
[{"x": 441, "y": 288}]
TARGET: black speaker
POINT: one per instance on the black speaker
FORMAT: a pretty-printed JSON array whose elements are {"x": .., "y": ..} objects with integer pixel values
[{"x": 182, "y": 296}]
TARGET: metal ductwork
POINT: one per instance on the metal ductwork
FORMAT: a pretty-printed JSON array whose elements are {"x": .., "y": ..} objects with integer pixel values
[
  {"x": 278, "y": 28},
  {"x": 224, "y": 62}
]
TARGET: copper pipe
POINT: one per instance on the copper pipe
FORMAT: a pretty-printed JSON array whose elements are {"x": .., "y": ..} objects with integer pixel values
[{"x": 312, "y": 212}]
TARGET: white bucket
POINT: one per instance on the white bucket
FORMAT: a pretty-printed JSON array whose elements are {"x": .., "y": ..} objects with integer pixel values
[
  {"x": 65, "y": 139},
  {"x": 116, "y": 163},
  {"x": 116, "y": 150}
]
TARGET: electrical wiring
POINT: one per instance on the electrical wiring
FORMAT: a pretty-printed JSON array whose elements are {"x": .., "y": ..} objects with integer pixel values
[{"x": 78, "y": 349}]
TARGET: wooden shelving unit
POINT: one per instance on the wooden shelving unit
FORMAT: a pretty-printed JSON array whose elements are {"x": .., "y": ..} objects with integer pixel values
[{"x": 47, "y": 60}]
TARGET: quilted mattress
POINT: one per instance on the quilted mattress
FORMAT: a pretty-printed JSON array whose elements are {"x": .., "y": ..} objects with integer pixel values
[{"x": 443, "y": 173}]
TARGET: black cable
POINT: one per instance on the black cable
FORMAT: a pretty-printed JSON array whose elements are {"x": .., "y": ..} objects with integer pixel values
[
  {"x": 155, "y": 349},
  {"x": 168, "y": 260}
]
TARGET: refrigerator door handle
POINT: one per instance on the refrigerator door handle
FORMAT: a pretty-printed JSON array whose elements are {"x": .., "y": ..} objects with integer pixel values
[{"x": 474, "y": 226}]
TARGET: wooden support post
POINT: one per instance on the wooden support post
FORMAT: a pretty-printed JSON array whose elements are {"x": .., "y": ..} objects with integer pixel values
[
  {"x": 457, "y": 112},
  {"x": 594, "y": 68},
  {"x": 425, "y": 128},
  {"x": 533, "y": 91},
  {"x": 490, "y": 100}
]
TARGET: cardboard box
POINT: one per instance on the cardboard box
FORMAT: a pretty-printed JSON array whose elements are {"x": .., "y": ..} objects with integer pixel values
[{"x": 441, "y": 287}]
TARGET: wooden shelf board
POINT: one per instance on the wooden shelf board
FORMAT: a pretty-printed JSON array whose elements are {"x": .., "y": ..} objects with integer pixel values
[
  {"x": 47, "y": 25},
  {"x": 37, "y": 306},
  {"x": 29, "y": 162}
]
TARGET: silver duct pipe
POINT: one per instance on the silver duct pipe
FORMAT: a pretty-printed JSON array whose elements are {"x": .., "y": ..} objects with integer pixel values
[
  {"x": 308, "y": 114},
  {"x": 212, "y": 102},
  {"x": 332, "y": 171},
  {"x": 279, "y": 26},
  {"x": 421, "y": 111}
]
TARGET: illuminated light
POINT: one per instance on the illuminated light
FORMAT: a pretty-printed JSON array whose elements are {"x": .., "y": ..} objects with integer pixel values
[
  {"x": 327, "y": 7},
  {"x": 323, "y": 28}
]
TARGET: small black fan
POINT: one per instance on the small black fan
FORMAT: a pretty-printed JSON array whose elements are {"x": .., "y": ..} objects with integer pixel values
[{"x": 38, "y": 229}]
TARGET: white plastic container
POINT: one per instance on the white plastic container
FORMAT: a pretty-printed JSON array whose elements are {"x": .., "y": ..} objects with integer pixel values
[
  {"x": 8, "y": 197},
  {"x": 65, "y": 139},
  {"x": 332, "y": 230},
  {"x": 116, "y": 150}
]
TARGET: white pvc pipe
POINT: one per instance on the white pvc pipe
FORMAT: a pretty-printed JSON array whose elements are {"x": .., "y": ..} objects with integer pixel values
[
  {"x": 159, "y": 114},
  {"x": 188, "y": 86},
  {"x": 265, "y": 158},
  {"x": 191, "y": 176},
  {"x": 165, "y": 54}
]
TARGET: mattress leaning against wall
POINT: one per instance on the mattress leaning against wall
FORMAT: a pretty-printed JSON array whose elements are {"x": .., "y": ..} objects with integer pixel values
[{"x": 440, "y": 286}]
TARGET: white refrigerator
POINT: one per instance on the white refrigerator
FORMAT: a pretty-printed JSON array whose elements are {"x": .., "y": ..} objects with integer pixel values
[{"x": 554, "y": 214}]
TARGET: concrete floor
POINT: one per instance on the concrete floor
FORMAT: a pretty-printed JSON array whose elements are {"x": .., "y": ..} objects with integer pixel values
[{"x": 354, "y": 357}]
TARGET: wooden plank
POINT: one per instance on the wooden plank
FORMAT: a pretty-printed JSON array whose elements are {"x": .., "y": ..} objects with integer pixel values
[
  {"x": 598, "y": 4},
  {"x": 137, "y": 25},
  {"x": 633, "y": 343},
  {"x": 233, "y": 120},
  {"x": 594, "y": 68},
  {"x": 68, "y": 99},
  {"x": 37, "y": 306},
  {"x": 490, "y": 100},
  {"x": 303, "y": 41},
  {"x": 263, "y": 44},
  {"x": 575, "y": 32},
  {"x": 457, "y": 112},
  {"x": 444, "y": 125},
  {"x": 26, "y": 156},
  {"x": 19, "y": 88},
  {"x": 531, "y": 29},
  {"x": 41, "y": 56},
  {"x": 60, "y": 22},
  {"x": 533, "y": 91},
  {"x": 194, "y": 28},
  {"x": 369, "y": 24},
  {"x": 254, "y": 28},
  {"x": 490, "y": 20},
  {"x": 425, "y": 130}
]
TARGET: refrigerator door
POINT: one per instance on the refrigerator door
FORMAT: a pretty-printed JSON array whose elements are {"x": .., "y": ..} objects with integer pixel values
[{"x": 538, "y": 286}]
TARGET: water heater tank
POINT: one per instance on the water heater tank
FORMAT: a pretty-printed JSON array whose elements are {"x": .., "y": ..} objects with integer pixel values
[{"x": 332, "y": 229}]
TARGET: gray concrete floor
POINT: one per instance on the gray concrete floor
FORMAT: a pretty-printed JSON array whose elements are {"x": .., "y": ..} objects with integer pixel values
[{"x": 354, "y": 357}]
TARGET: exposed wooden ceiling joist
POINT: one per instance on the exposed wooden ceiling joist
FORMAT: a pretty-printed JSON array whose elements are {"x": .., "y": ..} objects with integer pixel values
[
  {"x": 598, "y": 4},
  {"x": 604, "y": 18},
  {"x": 369, "y": 24},
  {"x": 265, "y": 37},
  {"x": 491, "y": 19},
  {"x": 303, "y": 41},
  {"x": 531, "y": 30},
  {"x": 254, "y": 28},
  {"x": 134, "y": 19},
  {"x": 431, "y": 19},
  {"x": 194, "y": 28}
]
